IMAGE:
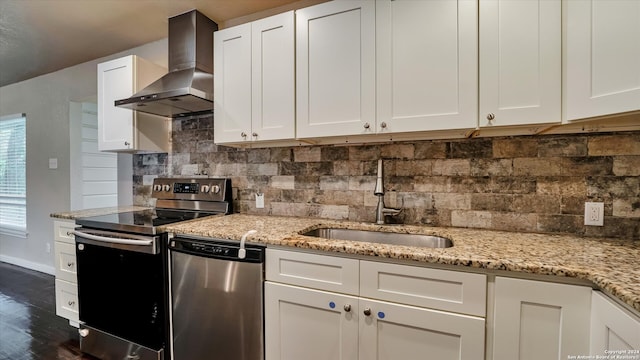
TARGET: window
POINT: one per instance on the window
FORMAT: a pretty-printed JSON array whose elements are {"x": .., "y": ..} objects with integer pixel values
[{"x": 13, "y": 187}]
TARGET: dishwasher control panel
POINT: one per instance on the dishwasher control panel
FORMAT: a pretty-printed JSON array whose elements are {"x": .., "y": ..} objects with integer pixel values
[{"x": 216, "y": 249}]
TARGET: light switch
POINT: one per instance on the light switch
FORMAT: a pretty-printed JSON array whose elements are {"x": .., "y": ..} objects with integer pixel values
[{"x": 53, "y": 163}]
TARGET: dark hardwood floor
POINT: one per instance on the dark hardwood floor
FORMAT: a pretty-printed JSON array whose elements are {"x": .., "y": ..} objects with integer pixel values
[{"x": 29, "y": 326}]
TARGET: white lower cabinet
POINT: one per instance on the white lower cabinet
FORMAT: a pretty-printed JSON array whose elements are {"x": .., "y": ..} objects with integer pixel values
[
  {"x": 613, "y": 328},
  {"x": 317, "y": 323},
  {"x": 540, "y": 320},
  {"x": 66, "y": 277}
]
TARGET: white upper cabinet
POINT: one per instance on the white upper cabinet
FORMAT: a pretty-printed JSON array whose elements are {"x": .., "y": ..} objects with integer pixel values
[
  {"x": 520, "y": 62},
  {"x": 335, "y": 69},
  {"x": 254, "y": 81},
  {"x": 602, "y": 57},
  {"x": 122, "y": 129},
  {"x": 427, "y": 61}
]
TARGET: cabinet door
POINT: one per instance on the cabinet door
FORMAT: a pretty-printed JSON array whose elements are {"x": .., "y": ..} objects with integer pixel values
[
  {"x": 232, "y": 84},
  {"x": 273, "y": 82},
  {"x": 612, "y": 328},
  {"x": 539, "y": 320},
  {"x": 115, "y": 125},
  {"x": 427, "y": 62},
  {"x": 520, "y": 62},
  {"x": 335, "y": 69},
  {"x": 393, "y": 331},
  {"x": 602, "y": 57},
  {"x": 309, "y": 324},
  {"x": 67, "y": 300}
]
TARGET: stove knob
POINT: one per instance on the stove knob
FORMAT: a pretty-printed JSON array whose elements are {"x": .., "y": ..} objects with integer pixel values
[
  {"x": 204, "y": 189},
  {"x": 166, "y": 188},
  {"x": 215, "y": 189},
  {"x": 157, "y": 187}
]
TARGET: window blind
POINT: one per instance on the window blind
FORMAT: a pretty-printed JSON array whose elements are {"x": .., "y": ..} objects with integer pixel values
[{"x": 13, "y": 186}]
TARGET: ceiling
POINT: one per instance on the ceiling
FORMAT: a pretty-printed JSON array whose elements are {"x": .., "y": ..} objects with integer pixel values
[{"x": 41, "y": 36}]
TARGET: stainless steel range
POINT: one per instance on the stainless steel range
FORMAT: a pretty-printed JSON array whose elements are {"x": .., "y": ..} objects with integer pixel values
[{"x": 122, "y": 269}]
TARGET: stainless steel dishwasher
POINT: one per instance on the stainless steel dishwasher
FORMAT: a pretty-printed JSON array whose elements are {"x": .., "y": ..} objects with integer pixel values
[{"x": 216, "y": 299}]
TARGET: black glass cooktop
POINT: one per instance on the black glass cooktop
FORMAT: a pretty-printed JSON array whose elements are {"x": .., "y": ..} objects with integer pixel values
[{"x": 139, "y": 222}]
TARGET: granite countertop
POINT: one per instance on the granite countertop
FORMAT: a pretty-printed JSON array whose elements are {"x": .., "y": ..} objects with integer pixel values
[
  {"x": 72, "y": 215},
  {"x": 610, "y": 264}
]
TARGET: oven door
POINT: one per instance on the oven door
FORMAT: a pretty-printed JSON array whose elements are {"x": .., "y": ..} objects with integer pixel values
[{"x": 121, "y": 289}]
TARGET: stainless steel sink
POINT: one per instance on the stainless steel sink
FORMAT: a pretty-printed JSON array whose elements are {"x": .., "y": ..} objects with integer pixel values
[{"x": 382, "y": 237}]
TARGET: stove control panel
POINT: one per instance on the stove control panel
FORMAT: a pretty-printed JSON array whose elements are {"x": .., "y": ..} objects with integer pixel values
[{"x": 208, "y": 189}]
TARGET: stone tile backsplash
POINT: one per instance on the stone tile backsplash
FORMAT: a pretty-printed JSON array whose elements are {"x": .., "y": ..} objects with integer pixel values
[{"x": 528, "y": 183}]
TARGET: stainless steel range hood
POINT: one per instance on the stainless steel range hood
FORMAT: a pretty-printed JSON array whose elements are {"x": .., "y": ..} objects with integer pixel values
[{"x": 188, "y": 87}]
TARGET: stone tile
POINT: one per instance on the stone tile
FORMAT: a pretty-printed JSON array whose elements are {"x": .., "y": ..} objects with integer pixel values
[
  {"x": 364, "y": 152},
  {"x": 431, "y": 184},
  {"x": 334, "y": 183},
  {"x": 491, "y": 167},
  {"x": 452, "y": 201},
  {"x": 589, "y": 166},
  {"x": 534, "y": 203},
  {"x": 430, "y": 150},
  {"x": 463, "y": 184},
  {"x": 370, "y": 199},
  {"x": 515, "y": 147},
  {"x": 491, "y": 202},
  {"x": 334, "y": 153},
  {"x": 262, "y": 169},
  {"x": 283, "y": 182},
  {"x": 414, "y": 168},
  {"x": 340, "y": 197},
  {"x": 363, "y": 183},
  {"x": 206, "y": 146},
  {"x": 562, "y": 146},
  {"x": 622, "y": 228},
  {"x": 290, "y": 209},
  {"x": 189, "y": 169},
  {"x": 514, "y": 221},
  {"x": 539, "y": 167},
  {"x": 257, "y": 156},
  {"x": 565, "y": 186},
  {"x": 281, "y": 154},
  {"x": 566, "y": 224},
  {"x": 298, "y": 196},
  {"x": 147, "y": 180},
  {"x": 320, "y": 168},
  {"x": 620, "y": 144},
  {"x": 397, "y": 151},
  {"x": 455, "y": 167},
  {"x": 408, "y": 200},
  {"x": 626, "y": 166},
  {"x": 477, "y": 148},
  {"x": 617, "y": 187},
  {"x": 306, "y": 154},
  {"x": 240, "y": 157},
  {"x": 337, "y": 212},
  {"x": 398, "y": 183},
  {"x": 307, "y": 182},
  {"x": 628, "y": 207},
  {"x": 471, "y": 219},
  {"x": 572, "y": 205},
  {"x": 292, "y": 168}
]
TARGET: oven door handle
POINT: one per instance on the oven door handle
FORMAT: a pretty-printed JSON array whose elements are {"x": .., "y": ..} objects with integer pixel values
[{"x": 112, "y": 240}]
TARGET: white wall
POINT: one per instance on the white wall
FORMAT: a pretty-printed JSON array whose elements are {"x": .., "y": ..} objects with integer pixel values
[{"x": 45, "y": 100}]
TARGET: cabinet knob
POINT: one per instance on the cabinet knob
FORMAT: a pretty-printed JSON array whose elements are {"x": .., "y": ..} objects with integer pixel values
[
  {"x": 71, "y": 303},
  {"x": 70, "y": 264},
  {"x": 366, "y": 125},
  {"x": 255, "y": 134},
  {"x": 126, "y": 143},
  {"x": 367, "y": 311},
  {"x": 243, "y": 134},
  {"x": 383, "y": 125},
  {"x": 347, "y": 307},
  {"x": 69, "y": 233},
  {"x": 491, "y": 116}
]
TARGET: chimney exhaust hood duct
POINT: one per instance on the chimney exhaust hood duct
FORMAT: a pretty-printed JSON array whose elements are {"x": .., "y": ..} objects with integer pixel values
[{"x": 188, "y": 87}]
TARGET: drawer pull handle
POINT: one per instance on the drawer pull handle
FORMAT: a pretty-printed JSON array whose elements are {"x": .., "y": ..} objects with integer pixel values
[
  {"x": 70, "y": 264},
  {"x": 69, "y": 233},
  {"x": 367, "y": 311},
  {"x": 71, "y": 303},
  {"x": 347, "y": 307}
]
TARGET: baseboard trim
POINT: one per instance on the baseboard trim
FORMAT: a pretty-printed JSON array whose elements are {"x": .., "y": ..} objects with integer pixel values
[{"x": 29, "y": 264}]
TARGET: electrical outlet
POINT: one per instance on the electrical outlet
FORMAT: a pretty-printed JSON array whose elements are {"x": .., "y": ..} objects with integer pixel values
[
  {"x": 259, "y": 200},
  {"x": 594, "y": 213}
]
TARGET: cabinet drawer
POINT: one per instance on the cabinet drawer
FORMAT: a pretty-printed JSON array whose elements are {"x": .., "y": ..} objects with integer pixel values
[
  {"x": 314, "y": 271},
  {"x": 62, "y": 229},
  {"x": 432, "y": 288},
  {"x": 66, "y": 262},
  {"x": 67, "y": 300}
]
